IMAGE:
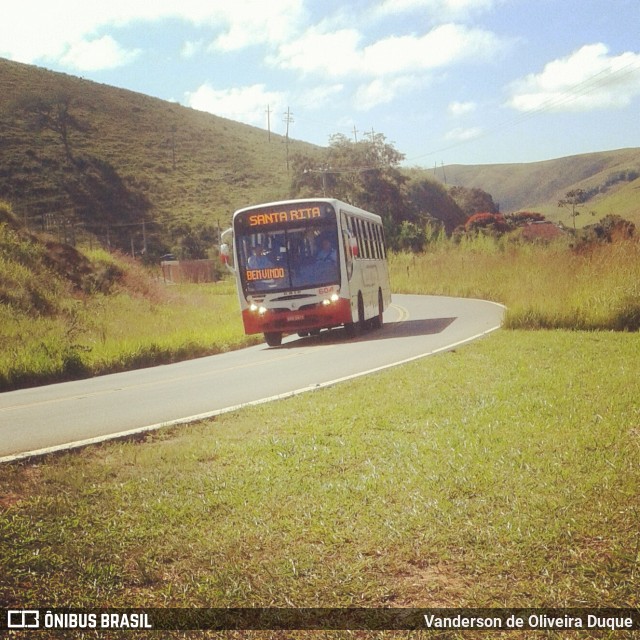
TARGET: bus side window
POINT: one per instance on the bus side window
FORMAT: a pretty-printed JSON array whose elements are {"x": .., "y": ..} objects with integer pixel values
[
  {"x": 365, "y": 239},
  {"x": 347, "y": 236},
  {"x": 369, "y": 239},
  {"x": 376, "y": 242},
  {"x": 358, "y": 234}
]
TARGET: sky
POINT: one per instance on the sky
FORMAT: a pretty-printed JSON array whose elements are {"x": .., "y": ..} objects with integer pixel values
[{"x": 445, "y": 81}]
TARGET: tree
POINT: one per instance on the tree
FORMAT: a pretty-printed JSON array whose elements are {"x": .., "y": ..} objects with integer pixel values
[
  {"x": 473, "y": 201},
  {"x": 53, "y": 112},
  {"x": 429, "y": 200},
  {"x": 365, "y": 174},
  {"x": 523, "y": 218},
  {"x": 572, "y": 200}
]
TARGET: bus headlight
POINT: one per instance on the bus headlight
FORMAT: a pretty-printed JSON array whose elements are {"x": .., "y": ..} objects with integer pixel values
[
  {"x": 253, "y": 307},
  {"x": 333, "y": 299},
  {"x": 262, "y": 310}
]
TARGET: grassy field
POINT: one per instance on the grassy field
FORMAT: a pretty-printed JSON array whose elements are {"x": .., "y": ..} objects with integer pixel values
[
  {"x": 543, "y": 286},
  {"x": 121, "y": 331},
  {"x": 504, "y": 474},
  {"x": 68, "y": 314}
]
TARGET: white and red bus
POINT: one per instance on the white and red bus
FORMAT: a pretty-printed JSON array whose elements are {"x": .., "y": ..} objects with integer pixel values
[{"x": 306, "y": 265}]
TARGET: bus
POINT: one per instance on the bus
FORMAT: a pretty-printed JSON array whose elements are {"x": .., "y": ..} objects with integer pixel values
[{"x": 306, "y": 265}]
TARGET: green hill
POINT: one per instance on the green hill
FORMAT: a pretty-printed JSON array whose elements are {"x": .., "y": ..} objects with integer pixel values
[
  {"x": 612, "y": 180},
  {"x": 137, "y": 172},
  {"x": 131, "y": 158}
]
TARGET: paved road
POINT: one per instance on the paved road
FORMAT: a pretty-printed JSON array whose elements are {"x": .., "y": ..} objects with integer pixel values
[{"x": 75, "y": 413}]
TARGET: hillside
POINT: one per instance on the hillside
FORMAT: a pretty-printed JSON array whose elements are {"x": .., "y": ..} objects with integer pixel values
[
  {"x": 131, "y": 158},
  {"x": 140, "y": 173},
  {"x": 613, "y": 179}
]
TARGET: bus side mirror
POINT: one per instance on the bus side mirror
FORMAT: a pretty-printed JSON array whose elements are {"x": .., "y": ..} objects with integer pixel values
[{"x": 225, "y": 250}]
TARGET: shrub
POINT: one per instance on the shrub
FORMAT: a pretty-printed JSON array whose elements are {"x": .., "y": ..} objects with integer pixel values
[{"x": 493, "y": 223}]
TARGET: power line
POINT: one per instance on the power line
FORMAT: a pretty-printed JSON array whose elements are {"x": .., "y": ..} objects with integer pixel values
[{"x": 576, "y": 91}]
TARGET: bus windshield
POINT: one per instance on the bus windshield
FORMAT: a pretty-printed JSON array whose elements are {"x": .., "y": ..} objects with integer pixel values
[{"x": 279, "y": 251}]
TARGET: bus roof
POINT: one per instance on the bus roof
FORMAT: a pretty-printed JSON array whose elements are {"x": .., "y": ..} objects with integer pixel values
[{"x": 337, "y": 204}]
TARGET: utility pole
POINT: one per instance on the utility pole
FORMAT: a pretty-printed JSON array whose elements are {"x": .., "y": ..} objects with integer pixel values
[
  {"x": 144, "y": 237},
  {"x": 269, "y": 121},
  {"x": 288, "y": 119},
  {"x": 174, "y": 129},
  {"x": 355, "y": 134}
]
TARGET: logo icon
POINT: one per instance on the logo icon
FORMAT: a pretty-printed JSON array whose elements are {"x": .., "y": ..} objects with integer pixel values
[{"x": 23, "y": 619}]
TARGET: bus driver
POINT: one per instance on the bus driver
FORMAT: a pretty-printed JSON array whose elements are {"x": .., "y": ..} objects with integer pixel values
[{"x": 326, "y": 253}]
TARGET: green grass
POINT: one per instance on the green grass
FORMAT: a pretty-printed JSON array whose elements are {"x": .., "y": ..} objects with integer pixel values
[
  {"x": 542, "y": 286},
  {"x": 67, "y": 314},
  {"x": 103, "y": 334},
  {"x": 505, "y": 474}
]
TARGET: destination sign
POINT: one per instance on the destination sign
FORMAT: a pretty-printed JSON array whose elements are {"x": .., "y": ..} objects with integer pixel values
[
  {"x": 285, "y": 216},
  {"x": 264, "y": 274}
]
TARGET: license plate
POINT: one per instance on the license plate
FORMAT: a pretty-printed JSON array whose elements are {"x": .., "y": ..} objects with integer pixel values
[{"x": 295, "y": 317}]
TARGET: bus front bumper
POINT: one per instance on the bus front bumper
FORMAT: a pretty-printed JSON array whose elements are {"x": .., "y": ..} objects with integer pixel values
[{"x": 307, "y": 318}]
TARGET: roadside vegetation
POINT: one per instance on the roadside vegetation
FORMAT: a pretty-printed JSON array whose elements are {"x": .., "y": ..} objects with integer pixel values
[
  {"x": 68, "y": 313},
  {"x": 505, "y": 474},
  {"x": 557, "y": 285},
  {"x": 502, "y": 474}
]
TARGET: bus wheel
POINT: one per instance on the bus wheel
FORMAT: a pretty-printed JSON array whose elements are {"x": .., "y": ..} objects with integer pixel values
[
  {"x": 376, "y": 322},
  {"x": 352, "y": 329},
  {"x": 362, "y": 323},
  {"x": 273, "y": 339}
]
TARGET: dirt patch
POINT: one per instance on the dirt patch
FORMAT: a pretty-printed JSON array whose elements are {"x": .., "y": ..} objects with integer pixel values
[
  {"x": 68, "y": 262},
  {"x": 434, "y": 586},
  {"x": 18, "y": 486}
]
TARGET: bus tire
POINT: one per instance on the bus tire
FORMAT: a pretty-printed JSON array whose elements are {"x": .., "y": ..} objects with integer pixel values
[
  {"x": 352, "y": 329},
  {"x": 376, "y": 322},
  {"x": 273, "y": 338},
  {"x": 362, "y": 322}
]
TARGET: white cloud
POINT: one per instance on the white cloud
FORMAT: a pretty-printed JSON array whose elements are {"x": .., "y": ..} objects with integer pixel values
[
  {"x": 319, "y": 96},
  {"x": 191, "y": 48},
  {"x": 438, "y": 10},
  {"x": 246, "y": 104},
  {"x": 458, "y": 109},
  {"x": 339, "y": 54},
  {"x": 103, "y": 53},
  {"x": 381, "y": 91},
  {"x": 35, "y": 30},
  {"x": 462, "y": 135},
  {"x": 332, "y": 53},
  {"x": 587, "y": 79},
  {"x": 251, "y": 22}
]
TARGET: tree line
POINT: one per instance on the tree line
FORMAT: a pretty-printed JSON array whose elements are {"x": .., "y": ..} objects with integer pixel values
[{"x": 368, "y": 174}]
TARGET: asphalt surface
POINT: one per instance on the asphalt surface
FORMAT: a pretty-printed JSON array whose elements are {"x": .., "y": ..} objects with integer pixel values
[{"x": 59, "y": 416}]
